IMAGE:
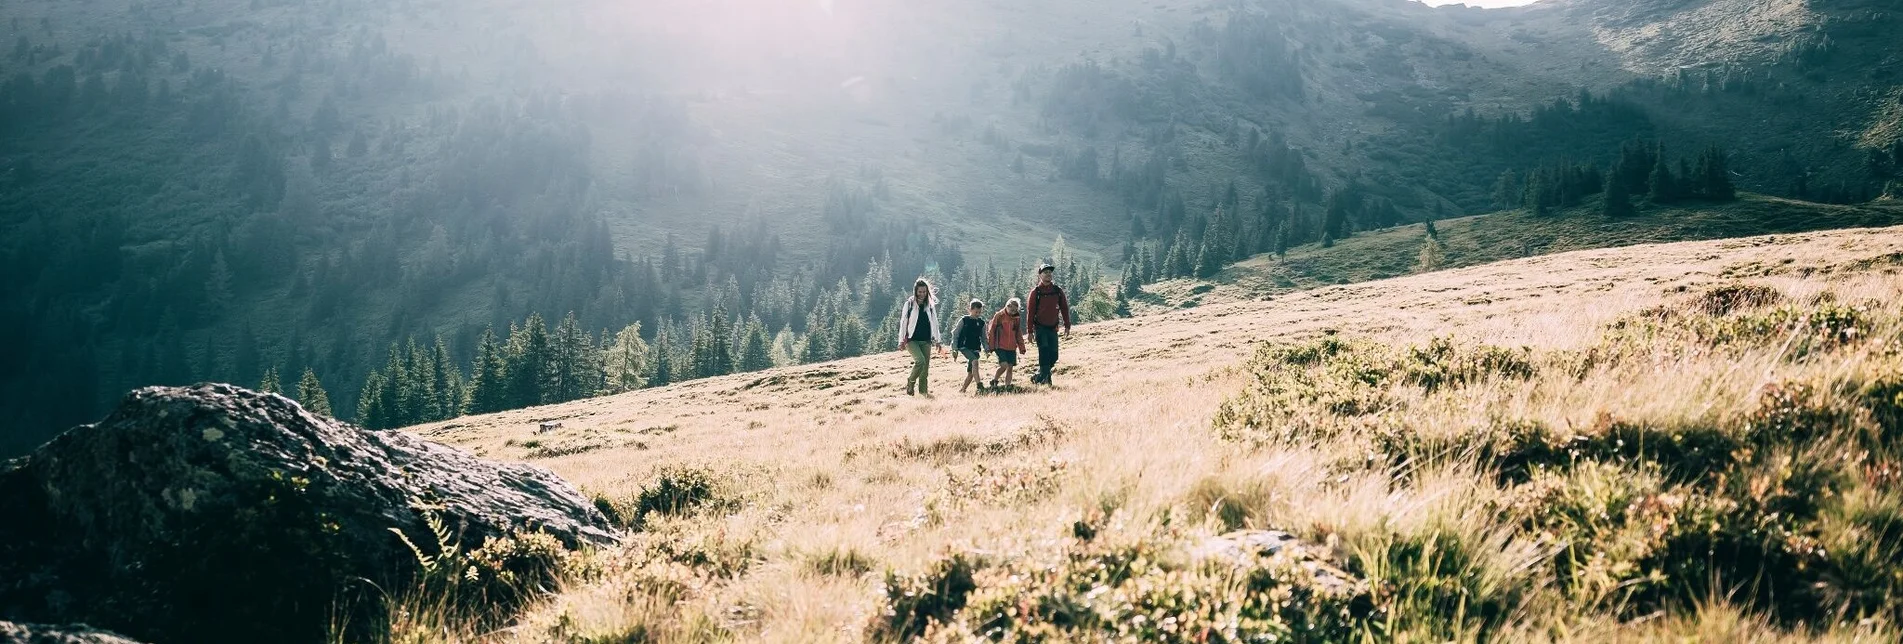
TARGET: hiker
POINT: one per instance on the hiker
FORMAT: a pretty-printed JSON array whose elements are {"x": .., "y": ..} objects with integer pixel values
[
  {"x": 1048, "y": 309},
  {"x": 969, "y": 342},
  {"x": 1007, "y": 339},
  {"x": 918, "y": 333}
]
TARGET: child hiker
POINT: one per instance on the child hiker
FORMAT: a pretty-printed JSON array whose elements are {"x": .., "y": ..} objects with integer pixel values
[
  {"x": 1007, "y": 339},
  {"x": 969, "y": 342}
]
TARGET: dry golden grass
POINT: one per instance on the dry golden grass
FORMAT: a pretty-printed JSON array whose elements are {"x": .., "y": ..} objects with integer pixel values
[{"x": 825, "y": 477}]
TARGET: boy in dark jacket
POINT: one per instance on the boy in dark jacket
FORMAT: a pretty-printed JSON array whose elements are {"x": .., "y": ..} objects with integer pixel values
[
  {"x": 1049, "y": 308},
  {"x": 970, "y": 343}
]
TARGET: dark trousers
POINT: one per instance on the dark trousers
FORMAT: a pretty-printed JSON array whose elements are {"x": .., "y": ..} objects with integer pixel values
[{"x": 1046, "y": 352}]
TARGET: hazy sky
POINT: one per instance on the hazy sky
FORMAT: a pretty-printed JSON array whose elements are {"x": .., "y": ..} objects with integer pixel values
[{"x": 1480, "y": 3}]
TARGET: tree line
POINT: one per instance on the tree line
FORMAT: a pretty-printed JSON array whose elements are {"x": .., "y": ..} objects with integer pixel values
[
  {"x": 533, "y": 363},
  {"x": 1641, "y": 170}
]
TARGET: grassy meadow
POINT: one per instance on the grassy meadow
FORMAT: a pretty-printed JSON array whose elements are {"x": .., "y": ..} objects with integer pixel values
[
  {"x": 1509, "y": 234},
  {"x": 1680, "y": 442}
]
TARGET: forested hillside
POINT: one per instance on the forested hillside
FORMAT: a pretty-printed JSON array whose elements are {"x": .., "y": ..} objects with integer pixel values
[{"x": 216, "y": 189}]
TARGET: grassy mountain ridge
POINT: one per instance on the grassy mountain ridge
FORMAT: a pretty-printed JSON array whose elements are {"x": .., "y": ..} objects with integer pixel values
[
  {"x": 1481, "y": 239},
  {"x": 1377, "y": 420}
]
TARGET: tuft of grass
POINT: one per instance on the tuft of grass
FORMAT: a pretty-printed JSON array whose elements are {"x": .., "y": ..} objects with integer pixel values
[
  {"x": 841, "y": 562},
  {"x": 673, "y": 491}
]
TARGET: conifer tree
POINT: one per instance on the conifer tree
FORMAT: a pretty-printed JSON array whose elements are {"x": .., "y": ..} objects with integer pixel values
[
  {"x": 310, "y": 393},
  {"x": 528, "y": 363},
  {"x": 270, "y": 384},
  {"x": 756, "y": 348},
  {"x": 818, "y": 345},
  {"x": 573, "y": 371},
  {"x": 1715, "y": 176},
  {"x": 372, "y": 411},
  {"x": 720, "y": 343},
  {"x": 1618, "y": 202},
  {"x": 418, "y": 398},
  {"x": 1432, "y": 257},
  {"x": 1664, "y": 185},
  {"x": 447, "y": 379},
  {"x": 662, "y": 360},
  {"x": 625, "y": 361},
  {"x": 1180, "y": 262},
  {"x": 849, "y": 337},
  {"x": 1209, "y": 259},
  {"x": 489, "y": 388}
]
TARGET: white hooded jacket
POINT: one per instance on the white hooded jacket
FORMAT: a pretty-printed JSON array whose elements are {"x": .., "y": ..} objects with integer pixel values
[{"x": 908, "y": 320}]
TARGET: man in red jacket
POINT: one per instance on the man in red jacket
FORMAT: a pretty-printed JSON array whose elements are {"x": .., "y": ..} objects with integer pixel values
[{"x": 1048, "y": 309}]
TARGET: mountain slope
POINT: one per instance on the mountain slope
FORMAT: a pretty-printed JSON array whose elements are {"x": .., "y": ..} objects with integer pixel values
[
  {"x": 206, "y": 189},
  {"x": 808, "y": 481},
  {"x": 1480, "y": 239}
]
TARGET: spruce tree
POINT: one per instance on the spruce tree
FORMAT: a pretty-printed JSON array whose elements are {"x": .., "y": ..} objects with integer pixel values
[
  {"x": 849, "y": 337},
  {"x": 1618, "y": 202},
  {"x": 1664, "y": 185},
  {"x": 270, "y": 384},
  {"x": 573, "y": 371},
  {"x": 1179, "y": 261},
  {"x": 395, "y": 397},
  {"x": 489, "y": 387},
  {"x": 720, "y": 343},
  {"x": 371, "y": 407},
  {"x": 756, "y": 348},
  {"x": 311, "y": 394},
  {"x": 419, "y": 401},
  {"x": 448, "y": 382},
  {"x": 1219, "y": 240},
  {"x": 528, "y": 363},
  {"x": 1715, "y": 175},
  {"x": 662, "y": 360}
]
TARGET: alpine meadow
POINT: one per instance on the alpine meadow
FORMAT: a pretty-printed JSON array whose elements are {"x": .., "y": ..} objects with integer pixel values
[{"x": 412, "y": 321}]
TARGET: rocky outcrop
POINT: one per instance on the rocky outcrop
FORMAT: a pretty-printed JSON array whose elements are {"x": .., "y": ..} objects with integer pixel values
[
  {"x": 214, "y": 513},
  {"x": 11, "y": 633}
]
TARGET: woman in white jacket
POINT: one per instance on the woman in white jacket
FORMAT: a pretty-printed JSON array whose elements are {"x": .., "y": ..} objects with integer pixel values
[{"x": 918, "y": 333}]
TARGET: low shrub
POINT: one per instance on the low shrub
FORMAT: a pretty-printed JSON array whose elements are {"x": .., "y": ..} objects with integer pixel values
[
  {"x": 918, "y": 602},
  {"x": 1728, "y": 298},
  {"x": 1148, "y": 590},
  {"x": 672, "y": 491}
]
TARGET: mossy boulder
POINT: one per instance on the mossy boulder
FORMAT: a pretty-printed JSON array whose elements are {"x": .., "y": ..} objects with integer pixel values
[{"x": 215, "y": 513}]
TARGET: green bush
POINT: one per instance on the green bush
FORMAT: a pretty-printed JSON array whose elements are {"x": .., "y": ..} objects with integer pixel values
[
  {"x": 673, "y": 491},
  {"x": 916, "y": 603}
]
